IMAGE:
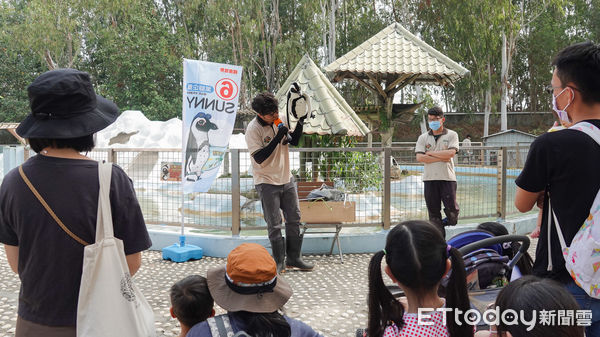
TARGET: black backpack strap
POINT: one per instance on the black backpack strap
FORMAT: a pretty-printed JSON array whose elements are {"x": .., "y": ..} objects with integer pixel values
[{"x": 220, "y": 326}]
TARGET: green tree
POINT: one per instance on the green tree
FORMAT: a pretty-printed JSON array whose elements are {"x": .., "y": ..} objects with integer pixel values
[
  {"x": 531, "y": 68},
  {"x": 17, "y": 67},
  {"x": 53, "y": 30},
  {"x": 134, "y": 48},
  {"x": 358, "y": 21},
  {"x": 468, "y": 32},
  {"x": 134, "y": 57}
]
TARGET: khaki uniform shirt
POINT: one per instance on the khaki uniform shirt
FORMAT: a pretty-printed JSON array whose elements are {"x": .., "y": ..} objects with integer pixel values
[
  {"x": 438, "y": 170},
  {"x": 275, "y": 170}
]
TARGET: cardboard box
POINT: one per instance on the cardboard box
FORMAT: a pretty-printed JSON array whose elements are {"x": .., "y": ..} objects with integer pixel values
[{"x": 327, "y": 211}]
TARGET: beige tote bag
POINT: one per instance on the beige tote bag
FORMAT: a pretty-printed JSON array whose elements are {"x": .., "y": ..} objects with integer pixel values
[{"x": 110, "y": 304}]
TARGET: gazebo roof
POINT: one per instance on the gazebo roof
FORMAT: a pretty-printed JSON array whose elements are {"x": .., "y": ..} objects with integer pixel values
[
  {"x": 396, "y": 52},
  {"x": 331, "y": 114},
  {"x": 8, "y": 134}
]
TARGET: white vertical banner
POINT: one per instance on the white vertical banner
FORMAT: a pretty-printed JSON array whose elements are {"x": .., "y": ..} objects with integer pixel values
[{"x": 210, "y": 103}]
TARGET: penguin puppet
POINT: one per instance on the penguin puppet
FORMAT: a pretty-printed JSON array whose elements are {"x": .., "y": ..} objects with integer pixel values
[
  {"x": 298, "y": 104},
  {"x": 197, "y": 149}
]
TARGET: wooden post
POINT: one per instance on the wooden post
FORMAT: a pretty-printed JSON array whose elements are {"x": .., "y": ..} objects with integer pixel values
[
  {"x": 502, "y": 159},
  {"x": 387, "y": 195}
]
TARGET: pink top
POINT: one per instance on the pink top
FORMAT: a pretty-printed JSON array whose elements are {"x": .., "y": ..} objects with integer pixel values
[{"x": 413, "y": 329}]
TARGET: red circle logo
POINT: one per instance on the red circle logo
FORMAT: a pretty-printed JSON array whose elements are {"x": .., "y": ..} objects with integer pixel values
[{"x": 226, "y": 89}]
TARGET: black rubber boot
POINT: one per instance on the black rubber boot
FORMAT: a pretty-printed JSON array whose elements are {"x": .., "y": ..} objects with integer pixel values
[
  {"x": 452, "y": 216},
  {"x": 437, "y": 222},
  {"x": 278, "y": 248},
  {"x": 294, "y": 255}
]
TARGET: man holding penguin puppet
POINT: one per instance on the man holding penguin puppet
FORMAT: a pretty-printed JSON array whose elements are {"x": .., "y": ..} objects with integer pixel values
[{"x": 268, "y": 140}]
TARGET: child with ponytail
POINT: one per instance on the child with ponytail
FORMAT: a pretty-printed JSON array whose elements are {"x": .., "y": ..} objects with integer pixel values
[{"x": 417, "y": 259}]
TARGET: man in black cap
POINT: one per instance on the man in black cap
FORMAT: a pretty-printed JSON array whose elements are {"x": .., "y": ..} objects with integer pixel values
[{"x": 436, "y": 149}]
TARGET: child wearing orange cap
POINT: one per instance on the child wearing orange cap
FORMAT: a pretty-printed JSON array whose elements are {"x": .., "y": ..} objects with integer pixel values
[{"x": 253, "y": 294}]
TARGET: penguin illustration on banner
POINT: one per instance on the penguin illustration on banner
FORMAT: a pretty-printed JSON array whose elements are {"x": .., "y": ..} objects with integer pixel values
[{"x": 198, "y": 150}]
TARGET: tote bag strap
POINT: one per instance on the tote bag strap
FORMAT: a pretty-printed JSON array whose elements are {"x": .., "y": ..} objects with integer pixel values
[
  {"x": 104, "y": 223},
  {"x": 48, "y": 209}
]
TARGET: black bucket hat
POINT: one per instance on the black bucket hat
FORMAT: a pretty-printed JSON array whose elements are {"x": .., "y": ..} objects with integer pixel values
[{"x": 64, "y": 105}]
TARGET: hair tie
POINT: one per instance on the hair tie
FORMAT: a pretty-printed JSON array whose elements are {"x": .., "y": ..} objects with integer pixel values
[
  {"x": 448, "y": 247},
  {"x": 384, "y": 252}
]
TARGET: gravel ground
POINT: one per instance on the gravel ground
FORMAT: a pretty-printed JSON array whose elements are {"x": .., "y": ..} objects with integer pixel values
[{"x": 331, "y": 299}]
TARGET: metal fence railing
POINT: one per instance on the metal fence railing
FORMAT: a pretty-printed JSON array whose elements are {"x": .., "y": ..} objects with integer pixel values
[{"x": 385, "y": 184}]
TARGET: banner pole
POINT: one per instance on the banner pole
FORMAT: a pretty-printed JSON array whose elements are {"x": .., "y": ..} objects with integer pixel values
[{"x": 182, "y": 236}]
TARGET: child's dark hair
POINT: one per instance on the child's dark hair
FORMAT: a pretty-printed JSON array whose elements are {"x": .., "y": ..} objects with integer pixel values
[
  {"x": 271, "y": 324},
  {"x": 525, "y": 263},
  {"x": 530, "y": 295},
  {"x": 265, "y": 103},
  {"x": 191, "y": 300},
  {"x": 80, "y": 144},
  {"x": 416, "y": 254}
]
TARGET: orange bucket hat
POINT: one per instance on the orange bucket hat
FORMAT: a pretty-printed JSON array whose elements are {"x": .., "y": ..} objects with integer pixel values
[{"x": 249, "y": 281}]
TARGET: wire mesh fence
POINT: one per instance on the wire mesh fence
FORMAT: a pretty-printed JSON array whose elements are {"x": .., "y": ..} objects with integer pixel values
[
  {"x": 156, "y": 176},
  {"x": 479, "y": 182},
  {"x": 383, "y": 194},
  {"x": 357, "y": 174}
]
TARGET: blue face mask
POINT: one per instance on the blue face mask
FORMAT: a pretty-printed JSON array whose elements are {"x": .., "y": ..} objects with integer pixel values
[{"x": 435, "y": 125}]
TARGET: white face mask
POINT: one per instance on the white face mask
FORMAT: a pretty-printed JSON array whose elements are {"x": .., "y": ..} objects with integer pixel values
[{"x": 562, "y": 114}]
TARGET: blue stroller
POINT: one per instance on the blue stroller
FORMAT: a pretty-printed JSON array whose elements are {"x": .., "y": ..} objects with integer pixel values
[{"x": 488, "y": 266}]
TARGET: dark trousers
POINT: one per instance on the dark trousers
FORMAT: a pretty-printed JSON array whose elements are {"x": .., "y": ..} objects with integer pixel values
[
  {"x": 30, "y": 329},
  {"x": 436, "y": 193},
  {"x": 280, "y": 197}
]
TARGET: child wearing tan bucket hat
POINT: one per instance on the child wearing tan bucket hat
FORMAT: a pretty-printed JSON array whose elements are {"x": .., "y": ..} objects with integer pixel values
[{"x": 249, "y": 288}]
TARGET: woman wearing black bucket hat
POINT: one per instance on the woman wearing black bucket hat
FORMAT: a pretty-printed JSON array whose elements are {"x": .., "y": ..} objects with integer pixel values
[
  {"x": 249, "y": 288},
  {"x": 65, "y": 115}
]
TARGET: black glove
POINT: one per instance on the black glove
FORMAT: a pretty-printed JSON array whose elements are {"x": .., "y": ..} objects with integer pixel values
[
  {"x": 282, "y": 132},
  {"x": 302, "y": 119}
]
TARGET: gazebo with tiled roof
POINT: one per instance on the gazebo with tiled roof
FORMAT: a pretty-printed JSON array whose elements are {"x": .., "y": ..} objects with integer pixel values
[{"x": 391, "y": 60}]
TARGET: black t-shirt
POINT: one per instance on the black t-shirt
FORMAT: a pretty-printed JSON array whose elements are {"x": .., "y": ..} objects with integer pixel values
[
  {"x": 50, "y": 261},
  {"x": 565, "y": 164}
]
